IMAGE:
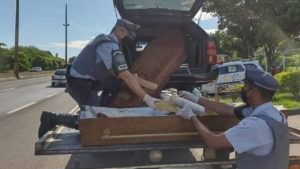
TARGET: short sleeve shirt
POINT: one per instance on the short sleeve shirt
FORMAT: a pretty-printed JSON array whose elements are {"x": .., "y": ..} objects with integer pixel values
[
  {"x": 104, "y": 51},
  {"x": 252, "y": 134}
]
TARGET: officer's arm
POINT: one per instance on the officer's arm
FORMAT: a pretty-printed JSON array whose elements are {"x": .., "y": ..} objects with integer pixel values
[
  {"x": 218, "y": 107},
  {"x": 211, "y": 140},
  {"x": 132, "y": 83},
  {"x": 120, "y": 69}
]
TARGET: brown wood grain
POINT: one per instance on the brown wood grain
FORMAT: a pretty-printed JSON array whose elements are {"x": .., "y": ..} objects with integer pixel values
[
  {"x": 156, "y": 64},
  {"x": 173, "y": 128}
]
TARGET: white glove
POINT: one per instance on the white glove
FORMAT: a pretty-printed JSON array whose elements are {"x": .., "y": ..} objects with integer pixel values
[
  {"x": 150, "y": 101},
  {"x": 186, "y": 112},
  {"x": 188, "y": 96}
]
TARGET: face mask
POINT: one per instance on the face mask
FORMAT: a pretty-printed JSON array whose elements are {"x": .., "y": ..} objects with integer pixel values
[
  {"x": 243, "y": 96},
  {"x": 126, "y": 40}
]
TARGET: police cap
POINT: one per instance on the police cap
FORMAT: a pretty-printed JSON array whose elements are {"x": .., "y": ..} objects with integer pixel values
[
  {"x": 129, "y": 26},
  {"x": 261, "y": 79}
]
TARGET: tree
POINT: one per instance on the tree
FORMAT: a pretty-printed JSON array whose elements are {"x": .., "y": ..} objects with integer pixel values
[
  {"x": 2, "y": 44},
  {"x": 71, "y": 59},
  {"x": 6, "y": 60},
  {"x": 267, "y": 23},
  {"x": 237, "y": 21}
]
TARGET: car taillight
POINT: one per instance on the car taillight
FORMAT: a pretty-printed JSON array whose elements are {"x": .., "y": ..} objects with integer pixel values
[{"x": 211, "y": 52}]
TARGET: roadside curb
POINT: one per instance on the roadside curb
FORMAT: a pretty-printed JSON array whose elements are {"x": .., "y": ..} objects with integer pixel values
[{"x": 27, "y": 75}]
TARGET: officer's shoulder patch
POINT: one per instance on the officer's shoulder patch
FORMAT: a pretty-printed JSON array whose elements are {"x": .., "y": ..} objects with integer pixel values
[{"x": 117, "y": 52}]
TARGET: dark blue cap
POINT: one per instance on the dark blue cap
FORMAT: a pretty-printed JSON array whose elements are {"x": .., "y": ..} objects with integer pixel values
[
  {"x": 261, "y": 79},
  {"x": 129, "y": 26}
]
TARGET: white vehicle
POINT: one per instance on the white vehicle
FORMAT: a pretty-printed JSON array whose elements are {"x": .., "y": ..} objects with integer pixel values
[
  {"x": 35, "y": 69},
  {"x": 231, "y": 73},
  {"x": 59, "y": 77},
  {"x": 234, "y": 72}
]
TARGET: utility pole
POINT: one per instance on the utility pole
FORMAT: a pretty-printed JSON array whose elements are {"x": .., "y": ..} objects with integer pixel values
[
  {"x": 66, "y": 36},
  {"x": 16, "y": 57}
]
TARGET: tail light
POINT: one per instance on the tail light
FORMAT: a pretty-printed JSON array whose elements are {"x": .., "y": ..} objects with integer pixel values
[{"x": 211, "y": 52}]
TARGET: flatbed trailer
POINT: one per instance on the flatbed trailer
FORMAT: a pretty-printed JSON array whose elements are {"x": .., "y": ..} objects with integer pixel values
[{"x": 146, "y": 155}]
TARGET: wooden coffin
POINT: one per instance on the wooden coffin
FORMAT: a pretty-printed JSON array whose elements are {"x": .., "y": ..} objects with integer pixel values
[
  {"x": 130, "y": 130},
  {"x": 157, "y": 63}
]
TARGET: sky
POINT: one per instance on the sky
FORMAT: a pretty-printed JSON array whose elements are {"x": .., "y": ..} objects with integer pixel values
[{"x": 41, "y": 23}]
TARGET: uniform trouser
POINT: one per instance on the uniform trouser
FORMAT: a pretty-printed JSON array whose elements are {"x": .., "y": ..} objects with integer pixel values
[{"x": 86, "y": 92}]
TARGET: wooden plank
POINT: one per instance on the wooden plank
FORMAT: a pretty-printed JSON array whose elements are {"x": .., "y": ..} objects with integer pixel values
[
  {"x": 156, "y": 64},
  {"x": 113, "y": 131},
  {"x": 146, "y": 84}
]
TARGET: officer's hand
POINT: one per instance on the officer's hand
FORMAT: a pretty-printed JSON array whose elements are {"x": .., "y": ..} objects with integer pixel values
[
  {"x": 186, "y": 112},
  {"x": 188, "y": 96},
  {"x": 150, "y": 101}
]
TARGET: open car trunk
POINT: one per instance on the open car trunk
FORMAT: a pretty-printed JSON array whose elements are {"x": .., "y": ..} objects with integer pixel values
[
  {"x": 157, "y": 17},
  {"x": 140, "y": 11}
]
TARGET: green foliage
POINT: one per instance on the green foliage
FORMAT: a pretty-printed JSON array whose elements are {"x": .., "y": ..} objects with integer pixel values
[
  {"x": 270, "y": 24},
  {"x": 29, "y": 57},
  {"x": 287, "y": 100},
  {"x": 282, "y": 79},
  {"x": 24, "y": 64},
  {"x": 6, "y": 58},
  {"x": 289, "y": 81},
  {"x": 71, "y": 59}
]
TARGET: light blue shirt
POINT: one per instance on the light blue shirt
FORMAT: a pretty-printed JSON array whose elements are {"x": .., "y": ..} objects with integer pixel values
[
  {"x": 104, "y": 53},
  {"x": 252, "y": 134}
]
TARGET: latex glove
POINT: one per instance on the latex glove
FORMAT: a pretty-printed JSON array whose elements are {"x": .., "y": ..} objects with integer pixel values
[
  {"x": 186, "y": 112},
  {"x": 188, "y": 96},
  {"x": 150, "y": 101}
]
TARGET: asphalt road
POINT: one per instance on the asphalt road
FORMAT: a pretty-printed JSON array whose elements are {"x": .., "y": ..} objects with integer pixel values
[
  {"x": 21, "y": 105},
  {"x": 18, "y": 94}
]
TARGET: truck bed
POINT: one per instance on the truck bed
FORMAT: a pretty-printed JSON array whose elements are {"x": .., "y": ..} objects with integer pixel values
[{"x": 67, "y": 141}]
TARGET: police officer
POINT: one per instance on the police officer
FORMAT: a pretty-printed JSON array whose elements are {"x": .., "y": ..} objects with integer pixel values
[
  {"x": 261, "y": 138},
  {"x": 100, "y": 66}
]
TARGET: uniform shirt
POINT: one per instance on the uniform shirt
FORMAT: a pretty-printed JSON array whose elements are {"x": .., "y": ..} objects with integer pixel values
[
  {"x": 252, "y": 134},
  {"x": 104, "y": 53}
]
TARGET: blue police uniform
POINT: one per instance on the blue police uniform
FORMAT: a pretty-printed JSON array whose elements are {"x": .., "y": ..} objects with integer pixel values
[
  {"x": 261, "y": 139},
  {"x": 96, "y": 67},
  {"x": 252, "y": 134},
  {"x": 103, "y": 53},
  {"x": 91, "y": 71}
]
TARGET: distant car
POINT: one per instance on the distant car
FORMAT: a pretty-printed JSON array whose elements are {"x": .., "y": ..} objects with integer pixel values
[
  {"x": 59, "y": 78},
  {"x": 35, "y": 69}
]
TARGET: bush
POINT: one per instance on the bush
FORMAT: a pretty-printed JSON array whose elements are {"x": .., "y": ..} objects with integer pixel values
[
  {"x": 281, "y": 78},
  {"x": 289, "y": 81}
]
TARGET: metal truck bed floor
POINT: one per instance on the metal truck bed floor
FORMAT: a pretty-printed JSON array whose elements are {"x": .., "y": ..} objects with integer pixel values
[{"x": 67, "y": 141}]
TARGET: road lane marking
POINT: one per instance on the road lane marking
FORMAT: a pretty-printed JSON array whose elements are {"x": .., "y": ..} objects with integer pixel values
[
  {"x": 73, "y": 111},
  {"x": 20, "y": 108},
  {"x": 32, "y": 103},
  {"x": 60, "y": 128},
  {"x": 51, "y": 95},
  {"x": 6, "y": 90}
]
